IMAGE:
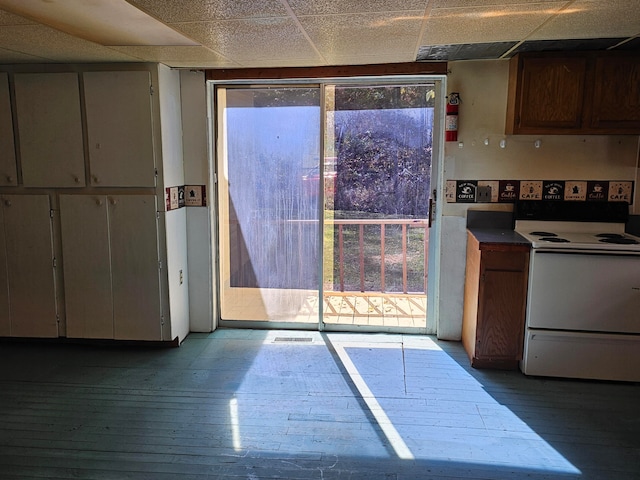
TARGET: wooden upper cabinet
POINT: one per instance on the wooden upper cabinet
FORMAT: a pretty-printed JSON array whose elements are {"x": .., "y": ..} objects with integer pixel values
[
  {"x": 616, "y": 95},
  {"x": 573, "y": 93}
]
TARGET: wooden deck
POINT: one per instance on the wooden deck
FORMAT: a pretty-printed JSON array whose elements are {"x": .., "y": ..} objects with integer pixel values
[
  {"x": 375, "y": 309},
  {"x": 259, "y": 404}
]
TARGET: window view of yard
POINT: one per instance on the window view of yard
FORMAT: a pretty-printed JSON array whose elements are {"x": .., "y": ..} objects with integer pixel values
[{"x": 377, "y": 196}]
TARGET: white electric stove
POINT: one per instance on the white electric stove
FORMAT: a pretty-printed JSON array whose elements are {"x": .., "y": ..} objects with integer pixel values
[{"x": 583, "y": 303}]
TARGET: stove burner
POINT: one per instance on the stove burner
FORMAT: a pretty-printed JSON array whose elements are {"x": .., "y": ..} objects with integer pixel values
[
  {"x": 543, "y": 234},
  {"x": 555, "y": 239},
  {"x": 609, "y": 235},
  {"x": 620, "y": 240}
]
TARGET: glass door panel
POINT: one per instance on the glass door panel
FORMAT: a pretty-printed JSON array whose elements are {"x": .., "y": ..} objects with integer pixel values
[
  {"x": 378, "y": 145},
  {"x": 268, "y": 194}
]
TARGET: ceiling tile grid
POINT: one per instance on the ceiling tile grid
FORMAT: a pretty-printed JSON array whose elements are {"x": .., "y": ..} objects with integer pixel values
[{"x": 273, "y": 33}]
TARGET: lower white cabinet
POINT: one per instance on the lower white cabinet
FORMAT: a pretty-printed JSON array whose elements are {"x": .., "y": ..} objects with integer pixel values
[
  {"x": 27, "y": 277},
  {"x": 111, "y": 266}
]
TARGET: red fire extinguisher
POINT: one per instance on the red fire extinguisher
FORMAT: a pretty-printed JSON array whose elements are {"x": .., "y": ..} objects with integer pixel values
[{"x": 451, "y": 120}]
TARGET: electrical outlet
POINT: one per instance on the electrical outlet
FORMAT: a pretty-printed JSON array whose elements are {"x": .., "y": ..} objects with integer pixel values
[
  {"x": 483, "y": 194},
  {"x": 181, "y": 277}
]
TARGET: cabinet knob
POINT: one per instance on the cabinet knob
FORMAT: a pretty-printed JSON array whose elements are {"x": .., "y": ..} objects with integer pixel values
[
  {"x": 76, "y": 179},
  {"x": 9, "y": 179},
  {"x": 98, "y": 202},
  {"x": 7, "y": 203},
  {"x": 96, "y": 179},
  {"x": 113, "y": 201}
]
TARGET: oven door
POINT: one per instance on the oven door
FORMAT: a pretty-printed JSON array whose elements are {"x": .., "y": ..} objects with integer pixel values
[{"x": 590, "y": 292}]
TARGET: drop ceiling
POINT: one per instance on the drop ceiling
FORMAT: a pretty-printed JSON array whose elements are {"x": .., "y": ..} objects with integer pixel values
[{"x": 288, "y": 33}]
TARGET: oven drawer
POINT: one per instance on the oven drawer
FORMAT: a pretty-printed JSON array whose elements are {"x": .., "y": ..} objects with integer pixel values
[
  {"x": 584, "y": 292},
  {"x": 598, "y": 356}
]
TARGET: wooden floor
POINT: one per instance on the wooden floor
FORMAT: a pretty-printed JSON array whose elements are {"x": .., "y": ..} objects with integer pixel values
[{"x": 251, "y": 404}]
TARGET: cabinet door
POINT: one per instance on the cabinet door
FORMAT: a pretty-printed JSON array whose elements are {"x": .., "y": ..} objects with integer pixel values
[
  {"x": 550, "y": 95},
  {"x": 135, "y": 267},
  {"x": 29, "y": 247},
  {"x": 87, "y": 266},
  {"x": 7, "y": 146},
  {"x": 501, "y": 315},
  {"x": 616, "y": 96},
  {"x": 119, "y": 128},
  {"x": 5, "y": 312},
  {"x": 50, "y": 129}
]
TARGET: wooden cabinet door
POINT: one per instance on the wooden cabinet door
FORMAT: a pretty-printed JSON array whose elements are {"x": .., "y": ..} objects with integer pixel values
[
  {"x": 7, "y": 147},
  {"x": 5, "y": 311},
  {"x": 86, "y": 260},
  {"x": 30, "y": 271},
  {"x": 500, "y": 315},
  {"x": 552, "y": 94},
  {"x": 616, "y": 96},
  {"x": 119, "y": 128},
  {"x": 133, "y": 233},
  {"x": 50, "y": 129}
]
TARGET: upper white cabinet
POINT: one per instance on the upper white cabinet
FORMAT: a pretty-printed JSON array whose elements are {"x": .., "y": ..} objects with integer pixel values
[
  {"x": 49, "y": 129},
  {"x": 111, "y": 266},
  {"x": 7, "y": 146},
  {"x": 27, "y": 279},
  {"x": 120, "y": 128}
]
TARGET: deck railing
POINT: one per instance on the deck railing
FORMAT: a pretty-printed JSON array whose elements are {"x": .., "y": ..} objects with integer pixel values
[{"x": 361, "y": 223}]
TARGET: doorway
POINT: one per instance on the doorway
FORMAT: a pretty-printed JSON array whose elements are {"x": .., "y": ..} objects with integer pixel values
[{"x": 323, "y": 204}]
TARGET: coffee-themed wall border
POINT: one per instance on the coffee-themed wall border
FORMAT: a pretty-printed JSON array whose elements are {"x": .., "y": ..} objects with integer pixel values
[
  {"x": 509, "y": 191},
  {"x": 185, "y": 196}
]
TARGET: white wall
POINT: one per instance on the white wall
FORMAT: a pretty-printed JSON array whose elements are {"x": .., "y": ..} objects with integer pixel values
[
  {"x": 483, "y": 89},
  {"x": 196, "y": 172}
]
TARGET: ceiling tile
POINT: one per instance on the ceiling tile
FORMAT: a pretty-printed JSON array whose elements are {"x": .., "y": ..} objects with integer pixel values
[
  {"x": 593, "y": 19},
  {"x": 173, "y": 11},
  {"x": 7, "y": 18},
  {"x": 367, "y": 34},
  {"x": 244, "y": 40},
  {"x": 178, "y": 56},
  {"x": 325, "y": 7},
  {"x": 45, "y": 42},
  {"x": 502, "y": 23},
  {"x": 9, "y": 56}
]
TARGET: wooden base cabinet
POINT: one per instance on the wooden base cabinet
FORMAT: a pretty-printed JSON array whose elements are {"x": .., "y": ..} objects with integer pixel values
[{"x": 494, "y": 303}]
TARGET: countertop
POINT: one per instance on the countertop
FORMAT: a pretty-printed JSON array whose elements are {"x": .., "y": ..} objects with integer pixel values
[{"x": 498, "y": 236}]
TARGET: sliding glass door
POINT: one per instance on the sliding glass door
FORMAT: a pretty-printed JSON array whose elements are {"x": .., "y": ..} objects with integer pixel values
[
  {"x": 268, "y": 181},
  {"x": 323, "y": 204}
]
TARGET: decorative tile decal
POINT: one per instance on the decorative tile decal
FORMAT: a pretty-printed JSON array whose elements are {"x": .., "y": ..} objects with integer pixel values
[
  {"x": 450, "y": 191},
  {"x": 196, "y": 195},
  {"x": 185, "y": 195},
  {"x": 597, "y": 191},
  {"x": 509, "y": 191},
  {"x": 553, "y": 190},
  {"x": 575, "y": 191},
  {"x": 466, "y": 191},
  {"x": 531, "y": 190},
  {"x": 620, "y": 191}
]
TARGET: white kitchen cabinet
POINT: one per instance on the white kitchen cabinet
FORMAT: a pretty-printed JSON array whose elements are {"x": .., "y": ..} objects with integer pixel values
[
  {"x": 7, "y": 146},
  {"x": 120, "y": 128},
  {"x": 111, "y": 266},
  {"x": 50, "y": 129},
  {"x": 27, "y": 278}
]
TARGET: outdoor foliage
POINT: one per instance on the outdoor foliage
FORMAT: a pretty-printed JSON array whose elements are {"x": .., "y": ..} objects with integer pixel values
[{"x": 383, "y": 147}]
